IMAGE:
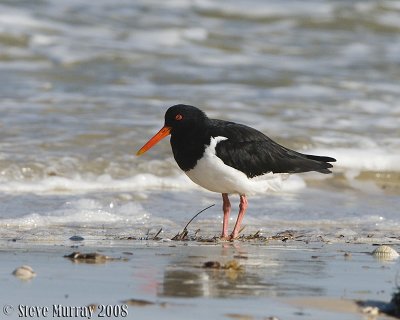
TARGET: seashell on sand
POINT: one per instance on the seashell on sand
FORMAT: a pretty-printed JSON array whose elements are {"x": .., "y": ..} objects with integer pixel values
[
  {"x": 385, "y": 252},
  {"x": 24, "y": 273}
]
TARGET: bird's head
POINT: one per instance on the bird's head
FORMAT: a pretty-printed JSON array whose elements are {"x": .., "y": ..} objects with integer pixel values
[
  {"x": 178, "y": 118},
  {"x": 183, "y": 117}
]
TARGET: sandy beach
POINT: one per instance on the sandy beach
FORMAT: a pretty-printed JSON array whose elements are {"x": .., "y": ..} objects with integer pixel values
[
  {"x": 251, "y": 279},
  {"x": 84, "y": 84}
]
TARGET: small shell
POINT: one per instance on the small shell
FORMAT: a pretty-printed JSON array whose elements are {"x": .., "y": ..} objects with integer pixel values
[
  {"x": 76, "y": 238},
  {"x": 385, "y": 253},
  {"x": 24, "y": 273},
  {"x": 371, "y": 311}
]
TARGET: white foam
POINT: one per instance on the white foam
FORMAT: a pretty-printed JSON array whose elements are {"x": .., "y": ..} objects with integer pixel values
[
  {"x": 257, "y": 9},
  {"x": 198, "y": 34},
  {"x": 356, "y": 52},
  {"x": 161, "y": 38},
  {"x": 368, "y": 159},
  {"x": 390, "y": 19},
  {"x": 164, "y": 175},
  {"x": 139, "y": 182},
  {"x": 19, "y": 19},
  {"x": 85, "y": 212}
]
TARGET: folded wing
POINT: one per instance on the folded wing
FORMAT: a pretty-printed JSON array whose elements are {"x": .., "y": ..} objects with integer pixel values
[{"x": 253, "y": 153}]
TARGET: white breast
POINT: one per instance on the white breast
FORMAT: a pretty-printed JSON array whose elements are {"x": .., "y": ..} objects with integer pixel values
[{"x": 213, "y": 174}]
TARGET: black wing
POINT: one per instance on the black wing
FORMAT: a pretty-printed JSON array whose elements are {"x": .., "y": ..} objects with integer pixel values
[{"x": 253, "y": 153}]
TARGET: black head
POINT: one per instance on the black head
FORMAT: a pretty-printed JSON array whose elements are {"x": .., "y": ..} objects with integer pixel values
[
  {"x": 183, "y": 117},
  {"x": 180, "y": 120}
]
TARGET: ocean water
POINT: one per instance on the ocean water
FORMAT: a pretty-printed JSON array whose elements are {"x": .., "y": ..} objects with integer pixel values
[{"x": 84, "y": 85}]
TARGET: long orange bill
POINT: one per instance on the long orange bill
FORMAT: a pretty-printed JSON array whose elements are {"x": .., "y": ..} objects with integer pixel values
[{"x": 165, "y": 131}]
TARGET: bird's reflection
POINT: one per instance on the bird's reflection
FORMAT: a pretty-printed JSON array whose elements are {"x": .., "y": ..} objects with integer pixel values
[{"x": 274, "y": 275}]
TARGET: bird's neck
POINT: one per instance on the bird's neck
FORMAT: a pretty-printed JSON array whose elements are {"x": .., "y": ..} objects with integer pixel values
[{"x": 188, "y": 146}]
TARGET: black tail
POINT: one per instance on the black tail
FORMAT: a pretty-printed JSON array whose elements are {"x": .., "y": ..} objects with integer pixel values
[{"x": 322, "y": 163}]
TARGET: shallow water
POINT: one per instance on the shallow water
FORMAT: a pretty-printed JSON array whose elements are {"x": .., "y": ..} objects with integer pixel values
[
  {"x": 84, "y": 85},
  {"x": 274, "y": 279}
]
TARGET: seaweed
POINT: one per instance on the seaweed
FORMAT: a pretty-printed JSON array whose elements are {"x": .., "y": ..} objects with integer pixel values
[{"x": 184, "y": 234}]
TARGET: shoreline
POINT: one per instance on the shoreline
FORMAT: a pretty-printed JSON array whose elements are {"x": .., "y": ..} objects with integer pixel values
[{"x": 167, "y": 279}]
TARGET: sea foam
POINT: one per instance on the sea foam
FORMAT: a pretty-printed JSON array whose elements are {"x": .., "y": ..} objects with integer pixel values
[{"x": 369, "y": 159}]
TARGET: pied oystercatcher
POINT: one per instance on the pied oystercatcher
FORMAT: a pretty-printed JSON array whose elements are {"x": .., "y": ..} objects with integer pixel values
[{"x": 228, "y": 157}]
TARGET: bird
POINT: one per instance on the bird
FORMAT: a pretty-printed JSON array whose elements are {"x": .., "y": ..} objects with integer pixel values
[{"x": 229, "y": 158}]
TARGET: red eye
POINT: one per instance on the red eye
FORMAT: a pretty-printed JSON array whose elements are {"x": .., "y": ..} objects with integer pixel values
[{"x": 178, "y": 117}]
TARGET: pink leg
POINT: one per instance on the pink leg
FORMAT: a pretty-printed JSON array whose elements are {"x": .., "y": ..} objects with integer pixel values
[
  {"x": 226, "y": 207},
  {"x": 242, "y": 211}
]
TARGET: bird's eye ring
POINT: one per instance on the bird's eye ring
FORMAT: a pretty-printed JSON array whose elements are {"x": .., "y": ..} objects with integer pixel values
[{"x": 178, "y": 117}]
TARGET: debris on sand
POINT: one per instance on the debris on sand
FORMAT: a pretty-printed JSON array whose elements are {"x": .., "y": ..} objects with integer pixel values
[
  {"x": 230, "y": 265},
  {"x": 138, "y": 302},
  {"x": 233, "y": 265},
  {"x": 92, "y": 257},
  {"x": 232, "y": 269},
  {"x": 286, "y": 235},
  {"x": 24, "y": 273},
  {"x": 374, "y": 308},
  {"x": 181, "y": 236},
  {"x": 238, "y": 316},
  {"x": 184, "y": 234},
  {"x": 347, "y": 255},
  {"x": 395, "y": 302},
  {"x": 212, "y": 265},
  {"x": 143, "y": 303},
  {"x": 255, "y": 236},
  {"x": 148, "y": 236},
  {"x": 76, "y": 238}
]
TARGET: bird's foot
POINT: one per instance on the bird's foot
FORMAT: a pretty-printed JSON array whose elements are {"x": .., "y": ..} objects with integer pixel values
[
  {"x": 228, "y": 238},
  {"x": 233, "y": 236},
  {"x": 225, "y": 237}
]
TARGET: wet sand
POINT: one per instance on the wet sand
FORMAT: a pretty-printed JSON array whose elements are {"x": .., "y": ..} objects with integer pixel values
[{"x": 163, "y": 279}]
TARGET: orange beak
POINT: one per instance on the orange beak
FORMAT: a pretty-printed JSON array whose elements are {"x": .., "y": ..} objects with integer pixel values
[{"x": 165, "y": 131}]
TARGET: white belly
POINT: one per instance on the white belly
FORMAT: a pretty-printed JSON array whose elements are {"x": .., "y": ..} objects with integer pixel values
[{"x": 213, "y": 174}]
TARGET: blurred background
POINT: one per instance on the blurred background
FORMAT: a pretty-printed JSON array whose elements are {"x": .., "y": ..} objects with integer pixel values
[{"x": 83, "y": 85}]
